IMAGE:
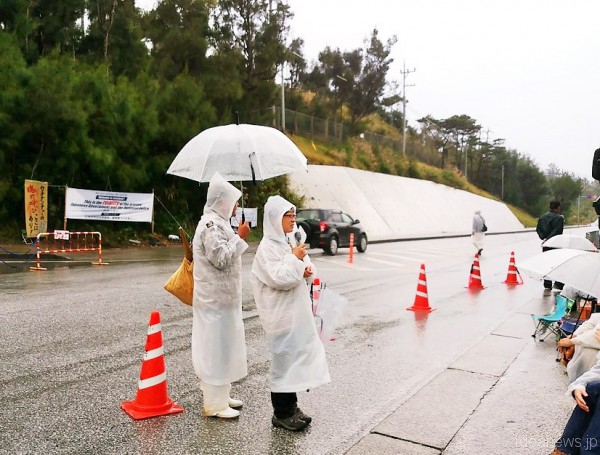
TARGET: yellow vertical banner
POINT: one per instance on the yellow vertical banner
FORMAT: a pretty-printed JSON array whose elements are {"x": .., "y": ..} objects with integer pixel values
[{"x": 36, "y": 207}]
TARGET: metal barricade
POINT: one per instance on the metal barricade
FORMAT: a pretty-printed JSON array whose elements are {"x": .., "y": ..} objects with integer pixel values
[{"x": 67, "y": 242}]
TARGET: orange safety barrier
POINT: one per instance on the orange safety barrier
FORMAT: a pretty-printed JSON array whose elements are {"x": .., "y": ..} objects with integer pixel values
[
  {"x": 351, "y": 256},
  {"x": 67, "y": 242}
]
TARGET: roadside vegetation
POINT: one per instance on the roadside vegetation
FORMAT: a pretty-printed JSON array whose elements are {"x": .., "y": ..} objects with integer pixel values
[{"x": 101, "y": 95}]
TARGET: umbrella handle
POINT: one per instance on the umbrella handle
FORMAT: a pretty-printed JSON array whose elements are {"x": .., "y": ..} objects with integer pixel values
[{"x": 252, "y": 168}]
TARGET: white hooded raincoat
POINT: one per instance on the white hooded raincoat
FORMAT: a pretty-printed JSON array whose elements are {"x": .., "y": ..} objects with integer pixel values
[
  {"x": 297, "y": 355},
  {"x": 218, "y": 342}
]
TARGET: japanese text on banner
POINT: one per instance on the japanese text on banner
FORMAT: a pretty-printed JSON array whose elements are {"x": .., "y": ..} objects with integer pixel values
[{"x": 36, "y": 207}]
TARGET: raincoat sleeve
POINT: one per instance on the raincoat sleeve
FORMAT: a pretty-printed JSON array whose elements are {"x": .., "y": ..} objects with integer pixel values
[
  {"x": 592, "y": 375},
  {"x": 588, "y": 324},
  {"x": 220, "y": 251},
  {"x": 281, "y": 273},
  {"x": 309, "y": 263},
  {"x": 587, "y": 339}
]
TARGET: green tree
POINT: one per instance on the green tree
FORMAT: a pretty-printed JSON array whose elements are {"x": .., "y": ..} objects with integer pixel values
[
  {"x": 566, "y": 188},
  {"x": 532, "y": 185},
  {"x": 13, "y": 72},
  {"x": 41, "y": 26},
  {"x": 367, "y": 93},
  {"x": 114, "y": 37},
  {"x": 356, "y": 79},
  {"x": 253, "y": 33},
  {"x": 178, "y": 32},
  {"x": 461, "y": 132}
]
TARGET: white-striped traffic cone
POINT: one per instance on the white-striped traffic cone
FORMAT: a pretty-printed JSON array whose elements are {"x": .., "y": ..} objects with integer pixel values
[
  {"x": 152, "y": 398},
  {"x": 421, "y": 298}
]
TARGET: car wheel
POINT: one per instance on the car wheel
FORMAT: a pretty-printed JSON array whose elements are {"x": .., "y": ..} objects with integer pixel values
[
  {"x": 362, "y": 245},
  {"x": 332, "y": 246}
]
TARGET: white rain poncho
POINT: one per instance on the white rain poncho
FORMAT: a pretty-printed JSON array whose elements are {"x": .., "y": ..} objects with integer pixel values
[
  {"x": 297, "y": 355},
  {"x": 218, "y": 342},
  {"x": 478, "y": 236},
  {"x": 295, "y": 238}
]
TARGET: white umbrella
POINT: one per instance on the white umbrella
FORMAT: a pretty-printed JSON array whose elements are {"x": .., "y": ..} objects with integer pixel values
[
  {"x": 543, "y": 263},
  {"x": 581, "y": 272},
  {"x": 570, "y": 241},
  {"x": 238, "y": 153}
]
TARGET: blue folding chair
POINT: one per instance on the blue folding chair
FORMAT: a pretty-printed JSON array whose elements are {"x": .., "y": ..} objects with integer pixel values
[{"x": 550, "y": 323}]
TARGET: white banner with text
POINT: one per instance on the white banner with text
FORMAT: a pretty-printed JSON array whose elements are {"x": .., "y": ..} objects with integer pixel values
[
  {"x": 250, "y": 215},
  {"x": 109, "y": 206}
]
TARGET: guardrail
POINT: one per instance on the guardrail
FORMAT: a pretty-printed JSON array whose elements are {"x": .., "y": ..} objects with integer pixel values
[{"x": 67, "y": 242}]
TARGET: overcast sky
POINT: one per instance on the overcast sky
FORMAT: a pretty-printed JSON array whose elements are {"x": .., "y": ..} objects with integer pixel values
[{"x": 527, "y": 70}]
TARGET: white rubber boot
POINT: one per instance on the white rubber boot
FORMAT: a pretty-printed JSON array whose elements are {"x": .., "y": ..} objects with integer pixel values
[
  {"x": 226, "y": 413},
  {"x": 233, "y": 403}
]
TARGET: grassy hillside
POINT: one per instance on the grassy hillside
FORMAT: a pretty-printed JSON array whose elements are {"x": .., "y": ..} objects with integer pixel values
[{"x": 360, "y": 155}]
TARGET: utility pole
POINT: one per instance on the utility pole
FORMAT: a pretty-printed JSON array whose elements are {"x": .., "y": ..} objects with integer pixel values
[
  {"x": 405, "y": 73},
  {"x": 282, "y": 98},
  {"x": 487, "y": 135}
]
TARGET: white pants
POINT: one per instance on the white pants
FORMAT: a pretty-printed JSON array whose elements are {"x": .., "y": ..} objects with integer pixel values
[
  {"x": 216, "y": 397},
  {"x": 477, "y": 239}
]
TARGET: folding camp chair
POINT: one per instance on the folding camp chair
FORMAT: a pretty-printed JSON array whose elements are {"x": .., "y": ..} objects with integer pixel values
[
  {"x": 550, "y": 323},
  {"x": 569, "y": 325}
]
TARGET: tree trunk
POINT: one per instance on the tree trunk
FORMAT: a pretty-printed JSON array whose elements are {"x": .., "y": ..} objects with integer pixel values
[{"x": 113, "y": 6}]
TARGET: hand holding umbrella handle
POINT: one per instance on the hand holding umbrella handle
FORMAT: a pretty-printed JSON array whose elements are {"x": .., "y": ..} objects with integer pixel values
[{"x": 243, "y": 230}]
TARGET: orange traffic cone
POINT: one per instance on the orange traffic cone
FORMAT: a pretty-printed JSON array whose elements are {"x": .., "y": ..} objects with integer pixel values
[
  {"x": 152, "y": 399},
  {"x": 513, "y": 272},
  {"x": 421, "y": 299},
  {"x": 475, "y": 276}
]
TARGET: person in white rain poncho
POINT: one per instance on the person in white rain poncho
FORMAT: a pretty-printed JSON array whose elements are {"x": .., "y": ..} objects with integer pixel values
[
  {"x": 278, "y": 281},
  {"x": 478, "y": 231},
  {"x": 218, "y": 343}
]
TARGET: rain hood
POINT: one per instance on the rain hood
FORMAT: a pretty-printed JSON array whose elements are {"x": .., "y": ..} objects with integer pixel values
[
  {"x": 221, "y": 197},
  {"x": 275, "y": 207}
]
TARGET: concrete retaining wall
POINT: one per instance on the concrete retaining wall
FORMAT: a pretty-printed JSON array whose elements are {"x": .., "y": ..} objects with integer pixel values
[{"x": 392, "y": 206}]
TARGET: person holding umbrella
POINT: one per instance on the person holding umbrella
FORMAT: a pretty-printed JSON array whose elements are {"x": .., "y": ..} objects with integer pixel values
[
  {"x": 218, "y": 341},
  {"x": 297, "y": 355}
]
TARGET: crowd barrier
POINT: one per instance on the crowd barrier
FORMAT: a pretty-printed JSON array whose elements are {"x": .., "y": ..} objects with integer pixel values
[{"x": 67, "y": 242}]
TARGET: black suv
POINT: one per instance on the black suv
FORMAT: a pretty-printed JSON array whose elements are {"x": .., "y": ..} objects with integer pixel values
[{"x": 331, "y": 229}]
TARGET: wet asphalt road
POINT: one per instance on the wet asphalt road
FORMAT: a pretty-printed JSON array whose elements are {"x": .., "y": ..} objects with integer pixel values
[{"x": 73, "y": 339}]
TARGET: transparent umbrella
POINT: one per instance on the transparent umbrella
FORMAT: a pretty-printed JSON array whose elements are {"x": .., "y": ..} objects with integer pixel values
[
  {"x": 542, "y": 264},
  {"x": 570, "y": 241},
  {"x": 581, "y": 272},
  {"x": 239, "y": 153}
]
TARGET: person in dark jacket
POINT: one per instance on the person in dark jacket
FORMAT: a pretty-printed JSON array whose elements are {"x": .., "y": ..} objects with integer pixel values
[{"x": 550, "y": 224}]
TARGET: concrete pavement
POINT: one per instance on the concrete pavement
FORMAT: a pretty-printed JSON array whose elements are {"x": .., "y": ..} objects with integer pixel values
[{"x": 505, "y": 395}]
